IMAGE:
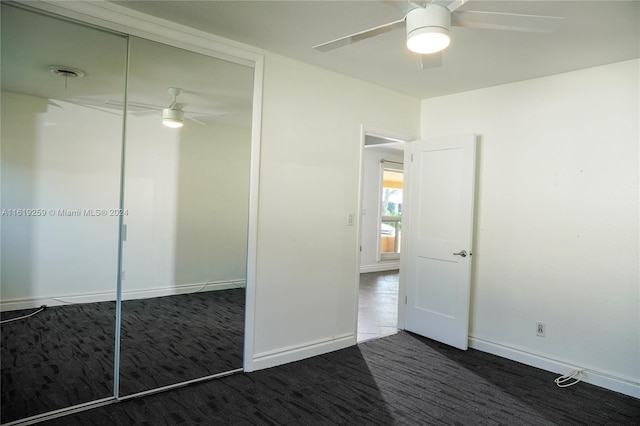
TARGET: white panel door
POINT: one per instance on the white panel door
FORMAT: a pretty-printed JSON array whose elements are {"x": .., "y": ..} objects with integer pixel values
[{"x": 438, "y": 232}]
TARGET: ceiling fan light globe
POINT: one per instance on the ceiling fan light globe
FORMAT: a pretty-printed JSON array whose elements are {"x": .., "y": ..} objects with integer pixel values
[
  {"x": 428, "y": 29},
  {"x": 426, "y": 42},
  {"x": 174, "y": 124},
  {"x": 172, "y": 117}
]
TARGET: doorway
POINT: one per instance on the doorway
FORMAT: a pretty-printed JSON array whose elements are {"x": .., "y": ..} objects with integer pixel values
[
  {"x": 378, "y": 304},
  {"x": 380, "y": 231}
]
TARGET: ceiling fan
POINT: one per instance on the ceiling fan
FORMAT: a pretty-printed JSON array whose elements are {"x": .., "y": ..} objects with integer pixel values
[
  {"x": 172, "y": 116},
  {"x": 428, "y": 25}
]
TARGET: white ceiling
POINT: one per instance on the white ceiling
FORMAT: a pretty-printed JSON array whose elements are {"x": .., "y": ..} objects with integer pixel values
[{"x": 593, "y": 33}]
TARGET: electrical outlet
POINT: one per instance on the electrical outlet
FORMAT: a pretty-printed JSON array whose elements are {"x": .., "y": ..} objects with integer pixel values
[{"x": 540, "y": 329}]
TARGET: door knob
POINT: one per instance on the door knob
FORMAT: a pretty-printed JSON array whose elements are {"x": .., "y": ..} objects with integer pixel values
[{"x": 463, "y": 253}]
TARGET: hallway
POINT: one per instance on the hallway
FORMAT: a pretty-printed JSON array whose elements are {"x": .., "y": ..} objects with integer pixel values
[{"x": 378, "y": 305}]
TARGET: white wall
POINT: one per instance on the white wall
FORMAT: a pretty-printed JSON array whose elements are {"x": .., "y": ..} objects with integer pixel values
[
  {"x": 371, "y": 210},
  {"x": 186, "y": 196},
  {"x": 307, "y": 266},
  {"x": 556, "y": 236}
]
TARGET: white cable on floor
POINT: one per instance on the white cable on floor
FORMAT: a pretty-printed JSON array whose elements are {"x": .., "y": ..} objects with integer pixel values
[
  {"x": 42, "y": 308},
  {"x": 569, "y": 379},
  {"x": 65, "y": 301},
  {"x": 231, "y": 283}
]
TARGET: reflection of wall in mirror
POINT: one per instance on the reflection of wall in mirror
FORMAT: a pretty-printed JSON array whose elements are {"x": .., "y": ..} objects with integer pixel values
[
  {"x": 68, "y": 158},
  {"x": 53, "y": 158},
  {"x": 193, "y": 184}
]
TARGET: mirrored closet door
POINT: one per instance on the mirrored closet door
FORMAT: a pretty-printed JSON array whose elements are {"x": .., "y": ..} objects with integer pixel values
[
  {"x": 186, "y": 198},
  {"x": 61, "y": 148},
  {"x": 125, "y": 203}
]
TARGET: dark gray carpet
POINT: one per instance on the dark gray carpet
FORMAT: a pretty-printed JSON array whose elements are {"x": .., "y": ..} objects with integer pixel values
[
  {"x": 63, "y": 356},
  {"x": 402, "y": 379}
]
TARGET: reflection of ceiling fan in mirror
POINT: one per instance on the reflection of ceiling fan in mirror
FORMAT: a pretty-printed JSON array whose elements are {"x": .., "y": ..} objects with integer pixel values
[
  {"x": 428, "y": 25},
  {"x": 172, "y": 116}
]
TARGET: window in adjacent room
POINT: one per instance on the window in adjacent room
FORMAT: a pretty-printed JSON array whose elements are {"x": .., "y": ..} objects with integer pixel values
[{"x": 391, "y": 211}]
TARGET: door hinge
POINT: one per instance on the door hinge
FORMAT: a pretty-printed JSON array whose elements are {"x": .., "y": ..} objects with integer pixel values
[
  {"x": 412, "y": 158},
  {"x": 405, "y": 300},
  {"x": 124, "y": 232}
]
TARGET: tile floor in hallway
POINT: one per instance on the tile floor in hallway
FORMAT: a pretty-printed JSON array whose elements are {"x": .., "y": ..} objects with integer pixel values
[{"x": 378, "y": 305}]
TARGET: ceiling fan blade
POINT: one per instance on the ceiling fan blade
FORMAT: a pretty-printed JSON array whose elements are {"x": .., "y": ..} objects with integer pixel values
[
  {"x": 143, "y": 112},
  {"x": 195, "y": 120},
  {"x": 94, "y": 104},
  {"x": 133, "y": 105},
  {"x": 433, "y": 60},
  {"x": 353, "y": 38},
  {"x": 506, "y": 21},
  {"x": 455, "y": 4}
]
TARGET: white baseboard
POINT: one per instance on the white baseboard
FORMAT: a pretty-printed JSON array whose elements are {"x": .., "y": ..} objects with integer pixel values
[
  {"x": 68, "y": 299},
  {"x": 286, "y": 355},
  {"x": 380, "y": 267},
  {"x": 597, "y": 378}
]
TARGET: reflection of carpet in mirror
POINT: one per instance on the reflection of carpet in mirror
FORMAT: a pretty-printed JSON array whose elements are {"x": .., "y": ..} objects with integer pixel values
[
  {"x": 63, "y": 356},
  {"x": 168, "y": 340}
]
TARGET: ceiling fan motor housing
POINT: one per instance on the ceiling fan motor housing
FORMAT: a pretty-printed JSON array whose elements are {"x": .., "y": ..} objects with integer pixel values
[{"x": 428, "y": 29}]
